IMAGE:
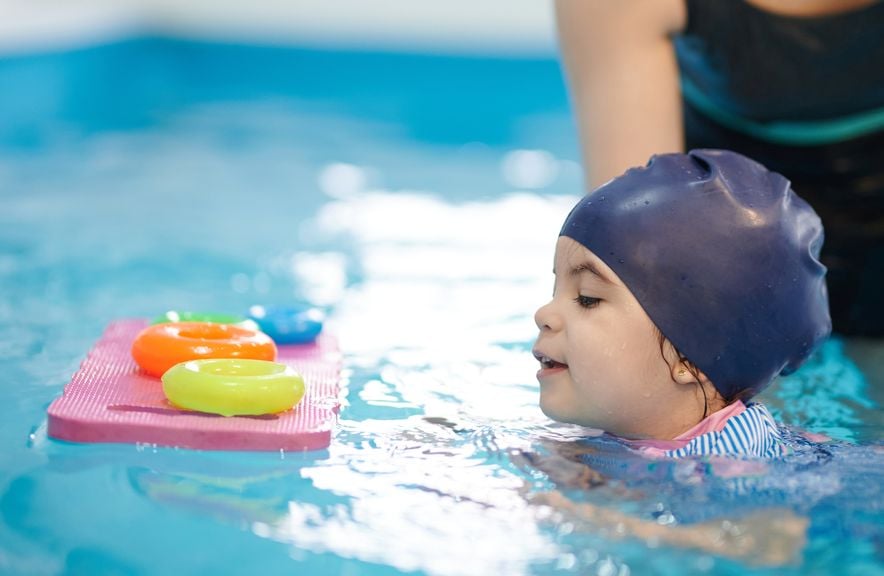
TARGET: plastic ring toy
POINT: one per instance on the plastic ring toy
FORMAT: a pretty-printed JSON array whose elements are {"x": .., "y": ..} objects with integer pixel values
[
  {"x": 159, "y": 347},
  {"x": 229, "y": 387},
  {"x": 181, "y": 316},
  {"x": 294, "y": 325}
]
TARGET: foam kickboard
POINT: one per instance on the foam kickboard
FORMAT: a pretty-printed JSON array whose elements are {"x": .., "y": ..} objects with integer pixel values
[{"x": 110, "y": 399}]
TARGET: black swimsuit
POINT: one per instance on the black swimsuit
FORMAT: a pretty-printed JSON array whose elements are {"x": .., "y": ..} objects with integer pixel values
[{"x": 805, "y": 97}]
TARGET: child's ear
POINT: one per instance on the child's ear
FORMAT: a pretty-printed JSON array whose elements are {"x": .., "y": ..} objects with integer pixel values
[{"x": 685, "y": 373}]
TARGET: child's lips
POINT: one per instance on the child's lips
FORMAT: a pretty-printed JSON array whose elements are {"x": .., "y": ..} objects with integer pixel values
[{"x": 548, "y": 365}]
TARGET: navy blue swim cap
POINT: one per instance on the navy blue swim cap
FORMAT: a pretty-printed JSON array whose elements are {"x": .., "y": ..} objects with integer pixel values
[{"x": 722, "y": 255}]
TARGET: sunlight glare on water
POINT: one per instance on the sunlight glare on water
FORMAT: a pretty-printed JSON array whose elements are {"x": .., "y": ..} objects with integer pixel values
[{"x": 444, "y": 303}]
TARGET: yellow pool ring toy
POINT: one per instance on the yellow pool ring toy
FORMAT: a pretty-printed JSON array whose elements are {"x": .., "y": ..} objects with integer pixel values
[{"x": 233, "y": 387}]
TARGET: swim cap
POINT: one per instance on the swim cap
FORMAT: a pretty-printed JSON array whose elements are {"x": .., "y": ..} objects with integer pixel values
[{"x": 722, "y": 255}]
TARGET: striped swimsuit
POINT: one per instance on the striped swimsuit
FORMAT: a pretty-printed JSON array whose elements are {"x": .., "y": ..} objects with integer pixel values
[
  {"x": 737, "y": 430},
  {"x": 751, "y": 433}
]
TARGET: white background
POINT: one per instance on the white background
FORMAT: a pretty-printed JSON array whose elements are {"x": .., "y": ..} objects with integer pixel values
[{"x": 514, "y": 27}]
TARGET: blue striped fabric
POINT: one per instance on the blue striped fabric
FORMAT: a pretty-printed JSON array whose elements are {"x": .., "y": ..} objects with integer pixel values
[{"x": 753, "y": 432}]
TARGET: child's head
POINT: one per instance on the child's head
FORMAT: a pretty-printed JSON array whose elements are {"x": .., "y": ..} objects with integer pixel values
[{"x": 680, "y": 287}]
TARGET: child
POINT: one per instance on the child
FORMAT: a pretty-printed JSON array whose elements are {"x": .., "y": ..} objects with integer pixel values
[{"x": 682, "y": 289}]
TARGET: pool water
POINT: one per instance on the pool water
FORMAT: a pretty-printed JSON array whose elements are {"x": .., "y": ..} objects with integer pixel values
[{"x": 417, "y": 199}]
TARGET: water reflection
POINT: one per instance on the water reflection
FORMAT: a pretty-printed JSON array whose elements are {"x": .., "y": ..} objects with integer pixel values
[
  {"x": 342, "y": 180},
  {"x": 531, "y": 169},
  {"x": 436, "y": 316}
]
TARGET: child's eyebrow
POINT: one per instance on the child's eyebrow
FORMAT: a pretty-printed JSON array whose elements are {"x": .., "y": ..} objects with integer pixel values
[{"x": 591, "y": 268}]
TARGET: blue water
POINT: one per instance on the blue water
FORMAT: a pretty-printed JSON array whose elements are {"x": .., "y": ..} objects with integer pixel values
[{"x": 417, "y": 199}]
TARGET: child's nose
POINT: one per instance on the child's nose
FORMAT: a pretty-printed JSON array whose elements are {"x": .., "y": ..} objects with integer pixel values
[{"x": 546, "y": 317}]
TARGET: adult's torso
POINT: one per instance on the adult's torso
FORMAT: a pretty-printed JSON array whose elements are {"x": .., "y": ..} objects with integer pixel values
[{"x": 765, "y": 65}]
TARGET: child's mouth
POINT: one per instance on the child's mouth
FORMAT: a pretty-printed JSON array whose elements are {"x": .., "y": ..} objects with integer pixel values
[{"x": 547, "y": 364}]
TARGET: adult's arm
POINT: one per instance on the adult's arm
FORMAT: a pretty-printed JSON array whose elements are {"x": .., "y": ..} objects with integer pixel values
[
  {"x": 770, "y": 537},
  {"x": 623, "y": 80}
]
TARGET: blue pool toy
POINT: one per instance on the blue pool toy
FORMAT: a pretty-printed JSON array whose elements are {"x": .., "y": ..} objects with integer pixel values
[{"x": 289, "y": 325}]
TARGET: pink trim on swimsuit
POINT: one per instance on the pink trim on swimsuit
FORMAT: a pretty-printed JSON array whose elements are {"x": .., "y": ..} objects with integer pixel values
[{"x": 715, "y": 422}]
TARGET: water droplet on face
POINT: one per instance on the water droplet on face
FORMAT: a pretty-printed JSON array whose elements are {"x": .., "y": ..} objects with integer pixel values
[{"x": 620, "y": 260}]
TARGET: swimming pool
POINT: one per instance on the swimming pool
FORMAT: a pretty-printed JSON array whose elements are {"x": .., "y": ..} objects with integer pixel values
[{"x": 417, "y": 198}]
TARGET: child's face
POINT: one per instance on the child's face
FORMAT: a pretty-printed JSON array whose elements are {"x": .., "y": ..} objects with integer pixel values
[{"x": 601, "y": 359}]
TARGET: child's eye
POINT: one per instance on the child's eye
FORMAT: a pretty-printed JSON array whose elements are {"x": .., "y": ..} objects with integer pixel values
[{"x": 587, "y": 301}]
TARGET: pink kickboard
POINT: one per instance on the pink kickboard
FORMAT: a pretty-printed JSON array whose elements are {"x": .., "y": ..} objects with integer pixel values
[{"x": 110, "y": 399}]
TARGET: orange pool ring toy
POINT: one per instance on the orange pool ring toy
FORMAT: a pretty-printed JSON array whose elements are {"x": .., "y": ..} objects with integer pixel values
[{"x": 159, "y": 347}]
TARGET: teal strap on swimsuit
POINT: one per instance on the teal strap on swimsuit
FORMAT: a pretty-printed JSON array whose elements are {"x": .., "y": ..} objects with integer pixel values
[{"x": 807, "y": 133}]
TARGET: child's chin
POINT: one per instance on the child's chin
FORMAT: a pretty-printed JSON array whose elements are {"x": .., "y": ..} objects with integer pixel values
[
  {"x": 554, "y": 411},
  {"x": 548, "y": 410}
]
